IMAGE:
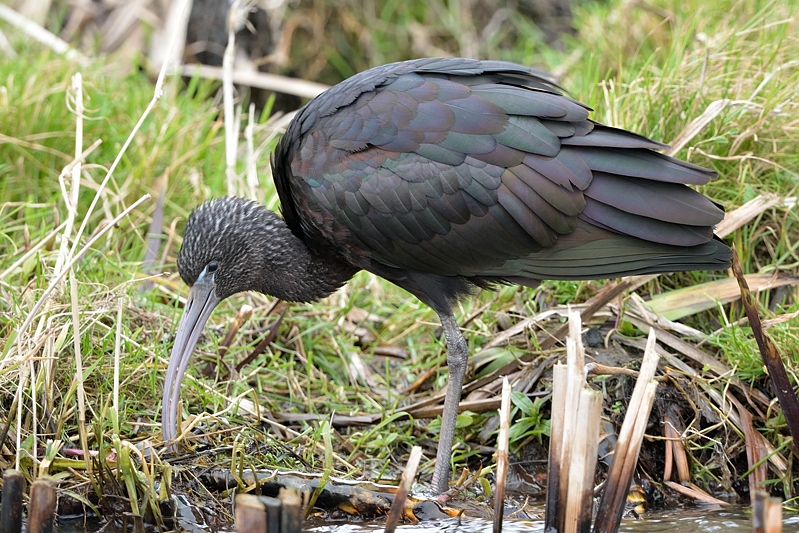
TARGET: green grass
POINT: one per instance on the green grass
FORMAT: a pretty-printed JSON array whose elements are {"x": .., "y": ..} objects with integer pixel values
[{"x": 651, "y": 68}]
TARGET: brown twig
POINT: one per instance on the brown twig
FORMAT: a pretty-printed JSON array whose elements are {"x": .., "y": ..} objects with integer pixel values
[
  {"x": 266, "y": 341},
  {"x": 771, "y": 358}
]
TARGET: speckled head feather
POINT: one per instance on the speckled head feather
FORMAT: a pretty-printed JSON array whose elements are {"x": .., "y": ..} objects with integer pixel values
[
  {"x": 251, "y": 248},
  {"x": 218, "y": 231}
]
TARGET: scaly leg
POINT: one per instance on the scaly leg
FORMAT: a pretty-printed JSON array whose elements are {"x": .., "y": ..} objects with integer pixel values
[{"x": 457, "y": 357}]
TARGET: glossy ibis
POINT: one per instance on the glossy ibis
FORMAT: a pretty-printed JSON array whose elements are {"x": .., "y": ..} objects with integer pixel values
[{"x": 440, "y": 175}]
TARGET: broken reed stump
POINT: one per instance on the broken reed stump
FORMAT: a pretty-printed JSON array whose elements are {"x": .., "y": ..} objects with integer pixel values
[
  {"x": 42, "y": 507},
  {"x": 264, "y": 514},
  {"x": 11, "y": 513},
  {"x": 622, "y": 467},
  {"x": 766, "y": 513},
  {"x": 502, "y": 456},
  {"x": 251, "y": 514},
  {"x": 574, "y": 440},
  {"x": 132, "y": 522},
  {"x": 273, "y": 508}
]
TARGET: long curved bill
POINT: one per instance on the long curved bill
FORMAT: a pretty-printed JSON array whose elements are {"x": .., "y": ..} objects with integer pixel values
[{"x": 202, "y": 300}]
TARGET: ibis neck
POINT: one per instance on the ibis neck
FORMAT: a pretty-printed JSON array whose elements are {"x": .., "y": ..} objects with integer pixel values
[{"x": 295, "y": 272}]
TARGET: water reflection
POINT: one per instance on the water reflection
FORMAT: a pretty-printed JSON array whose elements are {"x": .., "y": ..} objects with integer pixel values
[{"x": 697, "y": 520}]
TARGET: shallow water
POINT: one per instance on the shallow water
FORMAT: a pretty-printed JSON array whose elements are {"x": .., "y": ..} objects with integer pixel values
[{"x": 697, "y": 520}]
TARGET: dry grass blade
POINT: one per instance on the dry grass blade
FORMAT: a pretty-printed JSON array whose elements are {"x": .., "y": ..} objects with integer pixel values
[
  {"x": 639, "y": 305},
  {"x": 780, "y": 319},
  {"x": 742, "y": 215},
  {"x": 694, "y": 492},
  {"x": 475, "y": 406},
  {"x": 756, "y": 452},
  {"x": 173, "y": 31},
  {"x": 680, "y": 345},
  {"x": 523, "y": 325},
  {"x": 680, "y": 303},
  {"x": 72, "y": 208},
  {"x": 699, "y": 123},
  {"x": 260, "y": 80},
  {"x": 40, "y": 34},
  {"x": 253, "y": 189}
]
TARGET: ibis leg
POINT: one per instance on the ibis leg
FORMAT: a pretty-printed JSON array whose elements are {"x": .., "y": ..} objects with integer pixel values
[{"x": 457, "y": 357}]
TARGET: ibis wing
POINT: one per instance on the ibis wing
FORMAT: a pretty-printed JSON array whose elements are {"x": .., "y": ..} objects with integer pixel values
[{"x": 480, "y": 170}]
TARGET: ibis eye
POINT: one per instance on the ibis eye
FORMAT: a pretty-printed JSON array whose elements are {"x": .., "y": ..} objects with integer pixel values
[{"x": 212, "y": 266}]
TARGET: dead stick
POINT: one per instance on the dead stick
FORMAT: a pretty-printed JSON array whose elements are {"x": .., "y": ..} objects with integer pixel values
[
  {"x": 401, "y": 496},
  {"x": 771, "y": 358},
  {"x": 502, "y": 456}
]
